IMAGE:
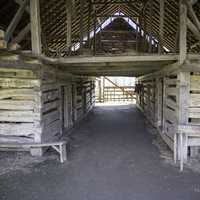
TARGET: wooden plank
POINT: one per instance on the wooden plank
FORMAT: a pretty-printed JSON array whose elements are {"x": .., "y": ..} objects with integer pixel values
[
  {"x": 194, "y": 112},
  {"x": 15, "y": 20},
  {"x": 18, "y": 116},
  {"x": 161, "y": 25},
  {"x": 194, "y": 100},
  {"x": 15, "y": 140},
  {"x": 170, "y": 115},
  {"x": 19, "y": 83},
  {"x": 16, "y": 93},
  {"x": 51, "y": 131},
  {"x": 50, "y": 96},
  {"x": 183, "y": 32},
  {"x": 195, "y": 82},
  {"x": 169, "y": 102},
  {"x": 171, "y": 91},
  {"x": 35, "y": 27},
  {"x": 17, "y": 73},
  {"x": 69, "y": 23},
  {"x": 50, "y": 117},
  {"x": 16, "y": 105},
  {"x": 21, "y": 129},
  {"x": 50, "y": 106}
]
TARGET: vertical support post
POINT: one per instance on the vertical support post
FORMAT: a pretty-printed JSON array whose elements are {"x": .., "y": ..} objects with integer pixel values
[
  {"x": 35, "y": 27},
  {"x": 183, "y": 101},
  {"x": 69, "y": 23},
  {"x": 94, "y": 39},
  {"x": 163, "y": 103},
  {"x": 151, "y": 26},
  {"x": 144, "y": 35},
  {"x": 137, "y": 32},
  {"x": 100, "y": 91},
  {"x": 81, "y": 23},
  {"x": 89, "y": 21},
  {"x": 183, "y": 31},
  {"x": 103, "y": 90},
  {"x": 161, "y": 28}
]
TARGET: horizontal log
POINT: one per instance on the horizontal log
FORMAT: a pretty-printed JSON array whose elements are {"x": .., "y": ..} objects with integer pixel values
[
  {"x": 16, "y": 105},
  {"x": 50, "y": 106},
  {"x": 17, "y": 73},
  {"x": 171, "y": 91},
  {"x": 50, "y": 96},
  {"x": 194, "y": 82},
  {"x": 18, "y": 116},
  {"x": 14, "y": 93},
  {"x": 18, "y": 83},
  {"x": 22, "y": 129},
  {"x": 194, "y": 100},
  {"x": 15, "y": 139}
]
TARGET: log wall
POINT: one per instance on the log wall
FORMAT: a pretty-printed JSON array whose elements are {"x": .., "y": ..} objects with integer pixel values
[
  {"x": 40, "y": 103},
  {"x": 170, "y": 98}
]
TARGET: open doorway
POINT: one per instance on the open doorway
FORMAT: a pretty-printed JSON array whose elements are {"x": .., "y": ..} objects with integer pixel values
[{"x": 115, "y": 90}]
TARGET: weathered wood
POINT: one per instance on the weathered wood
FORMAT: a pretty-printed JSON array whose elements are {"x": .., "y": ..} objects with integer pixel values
[
  {"x": 18, "y": 83},
  {"x": 69, "y": 22},
  {"x": 21, "y": 129},
  {"x": 183, "y": 32},
  {"x": 35, "y": 27},
  {"x": 22, "y": 34},
  {"x": 161, "y": 26},
  {"x": 15, "y": 20}
]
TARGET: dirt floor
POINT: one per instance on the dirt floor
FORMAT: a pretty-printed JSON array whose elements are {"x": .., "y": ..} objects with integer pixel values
[{"x": 114, "y": 156}]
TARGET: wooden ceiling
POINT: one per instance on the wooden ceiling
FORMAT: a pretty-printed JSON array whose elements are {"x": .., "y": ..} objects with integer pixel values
[{"x": 54, "y": 19}]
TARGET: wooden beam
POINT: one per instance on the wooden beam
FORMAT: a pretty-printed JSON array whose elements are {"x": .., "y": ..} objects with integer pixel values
[
  {"x": 193, "y": 29},
  {"x": 110, "y": 59},
  {"x": 35, "y": 27},
  {"x": 22, "y": 34},
  {"x": 183, "y": 32},
  {"x": 15, "y": 20},
  {"x": 81, "y": 23},
  {"x": 95, "y": 26},
  {"x": 161, "y": 26},
  {"x": 151, "y": 26},
  {"x": 89, "y": 22},
  {"x": 69, "y": 23},
  {"x": 192, "y": 14}
]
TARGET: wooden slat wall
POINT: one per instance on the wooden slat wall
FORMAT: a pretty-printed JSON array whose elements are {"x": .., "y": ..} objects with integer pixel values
[
  {"x": 171, "y": 98},
  {"x": 19, "y": 105},
  {"x": 31, "y": 103}
]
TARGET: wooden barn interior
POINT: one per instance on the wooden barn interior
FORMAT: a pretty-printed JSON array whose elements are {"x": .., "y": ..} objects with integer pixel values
[{"x": 53, "y": 54}]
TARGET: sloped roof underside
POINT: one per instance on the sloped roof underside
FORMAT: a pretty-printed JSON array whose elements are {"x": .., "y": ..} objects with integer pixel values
[{"x": 54, "y": 19}]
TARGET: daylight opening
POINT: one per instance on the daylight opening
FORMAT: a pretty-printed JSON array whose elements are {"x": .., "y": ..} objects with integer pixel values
[{"x": 115, "y": 90}]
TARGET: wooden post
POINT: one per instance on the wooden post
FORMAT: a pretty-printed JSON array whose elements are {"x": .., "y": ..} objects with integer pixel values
[
  {"x": 151, "y": 26},
  {"x": 21, "y": 35},
  {"x": 137, "y": 41},
  {"x": 161, "y": 28},
  {"x": 94, "y": 39},
  {"x": 183, "y": 102},
  {"x": 15, "y": 20},
  {"x": 35, "y": 27},
  {"x": 103, "y": 90},
  {"x": 69, "y": 23},
  {"x": 183, "y": 32},
  {"x": 81, "y": 23},
  {"x": 89, "y": 21}
]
